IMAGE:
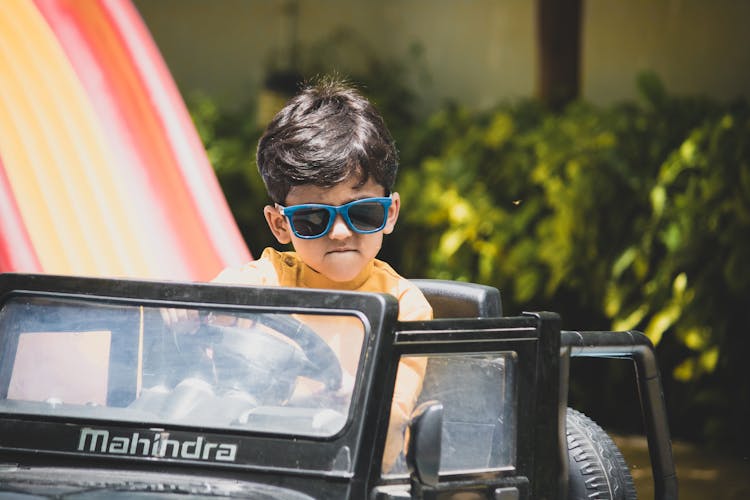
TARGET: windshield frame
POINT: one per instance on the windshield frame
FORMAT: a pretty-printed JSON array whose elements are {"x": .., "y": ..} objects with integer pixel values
[{"x": 333, "y": 455}]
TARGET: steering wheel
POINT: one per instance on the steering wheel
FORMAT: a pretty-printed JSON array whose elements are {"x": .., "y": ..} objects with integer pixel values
[
  {"x": 259, "y": 362},
  {"x": 325, "y": 365}
]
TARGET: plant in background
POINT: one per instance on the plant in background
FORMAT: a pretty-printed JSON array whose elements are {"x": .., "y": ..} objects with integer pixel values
[
  {"x": 632, "y": 216},
  {"x": 684, "y": 280},
  {"x": 230, "y": 137}
]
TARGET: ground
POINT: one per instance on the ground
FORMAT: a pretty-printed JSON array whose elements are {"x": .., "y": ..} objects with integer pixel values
[{"x": 701, "y": 474}]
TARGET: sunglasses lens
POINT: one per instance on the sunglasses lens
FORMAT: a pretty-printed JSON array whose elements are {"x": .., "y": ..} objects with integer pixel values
[
  {"x": 310, "y": 221},
  {"x": 367, "y": 216}
]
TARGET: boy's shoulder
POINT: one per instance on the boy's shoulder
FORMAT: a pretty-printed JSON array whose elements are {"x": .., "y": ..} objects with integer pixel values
[
  {"x": 413, "y": 306},
  {"x": 262, "y": 272},
  {"x": 387, "y": 273}
]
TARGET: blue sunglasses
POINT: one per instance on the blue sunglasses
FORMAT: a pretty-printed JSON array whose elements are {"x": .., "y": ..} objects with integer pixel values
[{"x": 313, "y": 220}]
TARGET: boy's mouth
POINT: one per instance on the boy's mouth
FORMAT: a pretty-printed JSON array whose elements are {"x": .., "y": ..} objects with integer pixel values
[{"x": 341, "y": 250}]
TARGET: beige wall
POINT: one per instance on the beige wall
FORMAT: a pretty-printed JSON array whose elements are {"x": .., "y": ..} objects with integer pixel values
[
  {"x": 696, "y": 46},
  {"x": 475, "y": 51}
]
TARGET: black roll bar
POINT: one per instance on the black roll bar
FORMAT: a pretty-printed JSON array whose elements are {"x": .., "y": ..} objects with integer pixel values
[{"x": 636, "y": 346}]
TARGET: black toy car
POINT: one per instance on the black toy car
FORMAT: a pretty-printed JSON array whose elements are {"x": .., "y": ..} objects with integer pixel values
[{"x": 100, "y": 398}]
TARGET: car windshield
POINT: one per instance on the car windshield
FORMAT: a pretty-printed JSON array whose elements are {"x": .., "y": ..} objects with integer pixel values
[{"x": 208, "y": 366}]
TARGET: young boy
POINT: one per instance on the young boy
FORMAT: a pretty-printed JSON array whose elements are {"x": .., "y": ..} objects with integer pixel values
[{"x": 329, "y": 165}]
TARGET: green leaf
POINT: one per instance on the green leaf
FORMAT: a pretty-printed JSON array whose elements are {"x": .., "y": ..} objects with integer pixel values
[
  {"x": 661, "y": 322},
  {"x": 633, "y": 319}
]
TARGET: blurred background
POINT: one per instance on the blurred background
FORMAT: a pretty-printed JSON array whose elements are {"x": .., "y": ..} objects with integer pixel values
[{"x": 590, "y": 157}]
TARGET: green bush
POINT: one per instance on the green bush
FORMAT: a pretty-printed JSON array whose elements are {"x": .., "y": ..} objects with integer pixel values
[{"x": 633, "y": 216}]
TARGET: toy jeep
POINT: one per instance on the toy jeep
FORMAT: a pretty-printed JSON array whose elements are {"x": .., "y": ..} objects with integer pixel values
[{"x": 103, "y": 398}]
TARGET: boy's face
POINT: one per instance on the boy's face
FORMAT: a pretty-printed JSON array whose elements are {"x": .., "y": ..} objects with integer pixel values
[{"x": 342, "y": 253}]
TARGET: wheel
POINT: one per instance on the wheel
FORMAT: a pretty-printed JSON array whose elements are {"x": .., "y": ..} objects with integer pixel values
[
  {"x": 256, "y": 360},
  {"x": 596, "y": 468}
]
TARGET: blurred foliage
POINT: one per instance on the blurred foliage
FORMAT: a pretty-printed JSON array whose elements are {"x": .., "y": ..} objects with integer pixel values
[
  {"x": 632, "y": 216},
  {"x": 230, "y": 137}
]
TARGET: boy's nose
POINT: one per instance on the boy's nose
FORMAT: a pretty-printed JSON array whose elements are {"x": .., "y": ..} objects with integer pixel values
[{"x": 340, "y": 229}]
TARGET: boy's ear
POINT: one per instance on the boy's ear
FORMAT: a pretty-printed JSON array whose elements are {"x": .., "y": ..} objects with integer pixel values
[
  {"x": 278, "y": 224},
  {"x": 390, "y": 222}
]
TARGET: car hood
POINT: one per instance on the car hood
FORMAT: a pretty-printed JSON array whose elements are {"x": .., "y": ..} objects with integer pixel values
[{"x": 20, "y": 482}]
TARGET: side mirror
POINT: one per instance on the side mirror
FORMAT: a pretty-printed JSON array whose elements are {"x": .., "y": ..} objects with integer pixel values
[{"x": 423, "y": 451}]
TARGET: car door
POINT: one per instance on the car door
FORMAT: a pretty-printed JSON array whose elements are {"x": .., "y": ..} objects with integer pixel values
[{"x": 497, "y": 380}]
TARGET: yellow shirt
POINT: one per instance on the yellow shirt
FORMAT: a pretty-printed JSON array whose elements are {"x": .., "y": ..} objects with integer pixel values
[{"x": 287, "y": 269}]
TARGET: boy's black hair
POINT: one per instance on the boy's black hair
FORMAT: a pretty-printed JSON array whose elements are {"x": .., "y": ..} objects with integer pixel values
[{"x": 322, "y": 136}]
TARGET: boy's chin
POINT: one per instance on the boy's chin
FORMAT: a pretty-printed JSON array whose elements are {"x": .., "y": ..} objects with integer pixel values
[{"x": 344, "y": 273}]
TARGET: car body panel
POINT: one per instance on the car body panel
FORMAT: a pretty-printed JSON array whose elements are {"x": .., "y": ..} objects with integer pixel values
[{"x": 344, "y": 462}]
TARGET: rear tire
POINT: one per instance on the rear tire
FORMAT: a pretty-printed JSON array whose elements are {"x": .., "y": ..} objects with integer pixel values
[{"x": 596, "y": 468}]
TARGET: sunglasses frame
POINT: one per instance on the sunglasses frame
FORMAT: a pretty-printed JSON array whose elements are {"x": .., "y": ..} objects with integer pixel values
[{"x": 333, "y": 212}]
